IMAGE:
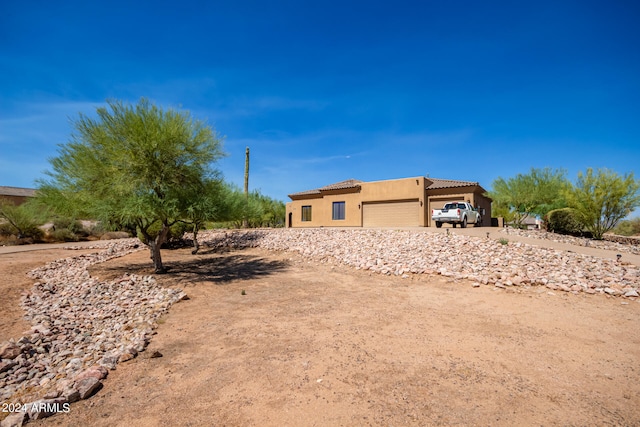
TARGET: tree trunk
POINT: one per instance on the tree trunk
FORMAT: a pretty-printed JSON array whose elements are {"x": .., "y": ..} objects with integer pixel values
[
  {"x": 196, "y": 245},
  {"x": 154, "y": 247}
]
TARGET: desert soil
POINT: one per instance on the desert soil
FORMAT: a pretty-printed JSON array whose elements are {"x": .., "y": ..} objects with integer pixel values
[{"x": 312, "y": 344}]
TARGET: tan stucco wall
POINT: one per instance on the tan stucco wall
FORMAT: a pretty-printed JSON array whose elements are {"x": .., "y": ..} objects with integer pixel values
[
  {"x": 376, "y": 191},
  {"x": 322, "y": 209},
  {"x": 404, "y": 189},
  {"x": 394, "y": 189}
]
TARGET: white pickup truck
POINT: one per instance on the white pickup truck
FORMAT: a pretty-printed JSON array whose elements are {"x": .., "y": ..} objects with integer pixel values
[{"x": 457, "y": 213}]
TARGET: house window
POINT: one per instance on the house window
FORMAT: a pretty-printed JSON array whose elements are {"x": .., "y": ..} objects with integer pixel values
[
  {"x": 306, "y": 213},
  {"x": 338, "y": 211}
]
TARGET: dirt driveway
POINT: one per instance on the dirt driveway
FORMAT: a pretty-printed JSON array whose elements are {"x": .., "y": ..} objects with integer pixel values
[{"x": 314, "y": 345}]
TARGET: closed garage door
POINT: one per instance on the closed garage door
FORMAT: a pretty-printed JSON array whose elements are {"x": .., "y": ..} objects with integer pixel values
[{"x": 391, "y": 214}]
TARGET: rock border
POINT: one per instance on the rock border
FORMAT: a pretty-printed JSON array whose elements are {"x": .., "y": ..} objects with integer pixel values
[{"x": 82, "y": 327}]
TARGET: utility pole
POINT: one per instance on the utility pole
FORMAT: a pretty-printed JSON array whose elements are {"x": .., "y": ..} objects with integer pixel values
[{"x": 245, "y": 222}]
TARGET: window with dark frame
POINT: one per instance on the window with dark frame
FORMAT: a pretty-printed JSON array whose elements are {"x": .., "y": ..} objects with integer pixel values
[
  {"x": 338, "y": 212},
  {"x": 306, "y": 213}
]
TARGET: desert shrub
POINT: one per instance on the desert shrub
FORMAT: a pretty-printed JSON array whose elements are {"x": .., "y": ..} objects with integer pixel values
[
  {"x": 6, "y": 229},
  {"x": 27, "y": 231},
  {"x": 34, "y": 233},
  {"x": 67, "y": 230},
  {"x": 63, "y": 235},
  {"x": 73, "y": 225},
  {"x": 176, "y": 231},
  {"x": 563, "y": 221},
  {"x": 628, "y": 227},
  {"x": 21, "y": 221}
]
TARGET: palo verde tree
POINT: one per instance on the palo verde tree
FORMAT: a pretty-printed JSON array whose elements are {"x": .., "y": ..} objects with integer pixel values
[
  {"x": 266, "y": 212},
  {"x": 215, "y": 201},
  {"x": 600, "y": 200},
  {"x": 134, "y": 164},
  {"x": 524, "y": 195},
  {"x": 255, "y": 209}
]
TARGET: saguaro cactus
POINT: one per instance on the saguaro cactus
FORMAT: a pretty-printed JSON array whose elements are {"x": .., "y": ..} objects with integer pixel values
[{"x": 245, "y": 222}]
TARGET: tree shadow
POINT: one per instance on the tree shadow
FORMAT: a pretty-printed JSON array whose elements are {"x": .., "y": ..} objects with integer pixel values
[
  {"x": 224, "y": 269},
  {"x": 219, "y": 266}
]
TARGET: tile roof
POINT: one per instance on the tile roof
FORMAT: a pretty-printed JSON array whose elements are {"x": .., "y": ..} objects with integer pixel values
[
  {"x": 436, "y": 183},
  {"x": 349, "y": 183},
  {"x": 449, "y": 183},
  {"x": 17, "y": 191}
]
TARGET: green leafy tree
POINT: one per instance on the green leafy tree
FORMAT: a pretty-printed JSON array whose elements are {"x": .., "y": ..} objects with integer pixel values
[
  {"x": 135, "y": 165},
  {"x": 258, "y": 210},
  {"x": 535, "y": 193},
  {"x": 498, "y": 209},
  {"x": 272, "y": 212},
  {"x": 601, "y": 199},
  {"x": 216, "y": 201}
]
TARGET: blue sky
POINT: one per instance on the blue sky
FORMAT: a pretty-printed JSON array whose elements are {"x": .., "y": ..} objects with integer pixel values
[{"x": 326, "y": 91}]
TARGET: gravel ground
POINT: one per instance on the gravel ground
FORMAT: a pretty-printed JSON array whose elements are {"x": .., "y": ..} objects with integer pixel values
[
  {"x": 80, "y": 323},
  {"x": 483, "y": 261}
]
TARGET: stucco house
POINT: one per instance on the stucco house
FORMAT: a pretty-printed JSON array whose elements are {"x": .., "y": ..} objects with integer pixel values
[
  {"x": 17, "y": 195},
  {"x": 405, "y": 202}
]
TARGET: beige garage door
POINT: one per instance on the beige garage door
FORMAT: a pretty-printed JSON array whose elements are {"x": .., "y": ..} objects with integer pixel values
[{"x": 391, "y": 214}]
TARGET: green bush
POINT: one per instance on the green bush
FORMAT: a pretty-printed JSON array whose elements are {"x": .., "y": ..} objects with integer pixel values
[
  {"x": 34, "y": 233},
  {"x": 628, "y": 227},
  {"x": 27, "y": 231},
  {"x": 6, "y": 229},
  {"x": 67, "y": 230},
  {"x": 20, "y": 221},
  {"x": 178, "y": 229},
  {"x": 563, "y": 221},
  {"x": 73, "y": 225},
  {"x": 176, "y": 232}
]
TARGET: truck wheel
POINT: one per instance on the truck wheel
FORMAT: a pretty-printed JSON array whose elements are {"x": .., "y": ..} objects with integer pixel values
[
  {"x": 438, "y": 224},
  {"x": 478, "y": 222},
  {"x": 463, "y": 224},
  {"x": 454, "y": 224}
]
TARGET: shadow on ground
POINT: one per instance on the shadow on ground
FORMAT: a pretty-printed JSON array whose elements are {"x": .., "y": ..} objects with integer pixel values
[
  {"x": 211, "y": 266},
  {"x": 225, "y": 268}
]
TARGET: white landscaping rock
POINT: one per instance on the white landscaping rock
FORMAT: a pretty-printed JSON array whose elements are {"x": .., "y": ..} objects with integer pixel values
[
  {"x": 78, "y": 322},
  {"x": 482, "y": 260}
]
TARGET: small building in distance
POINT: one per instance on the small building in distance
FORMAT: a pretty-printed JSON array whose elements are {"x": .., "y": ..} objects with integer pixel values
[
  {"x": 405, "y": 202},
  {"x": 16, "y": 195}
]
